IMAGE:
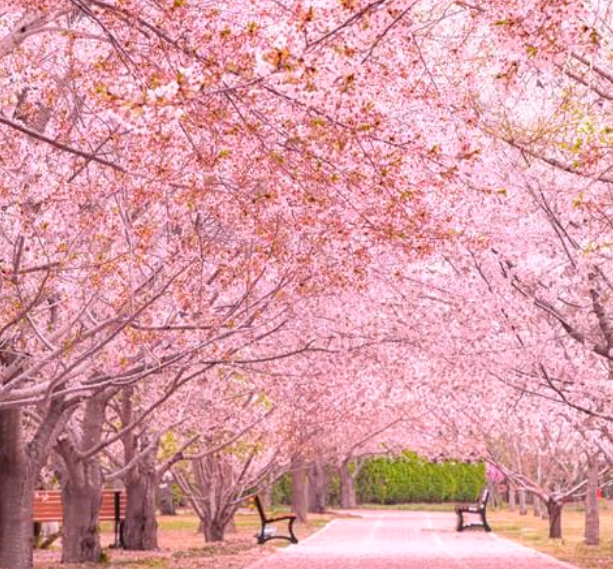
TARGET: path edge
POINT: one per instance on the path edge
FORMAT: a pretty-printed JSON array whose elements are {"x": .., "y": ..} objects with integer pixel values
[
  {"x": 541, "y": 554},
  {"x": 280, "y": 551}
]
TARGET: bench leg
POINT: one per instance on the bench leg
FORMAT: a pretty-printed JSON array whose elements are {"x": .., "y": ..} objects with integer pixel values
[
  {"x": 290, "y": 527},
  {"x": 118, "y": 533},
  {"x": 460, "y": 526},
  {"x": 486, "y": 526},
  {"x": 262, "y": 535}
]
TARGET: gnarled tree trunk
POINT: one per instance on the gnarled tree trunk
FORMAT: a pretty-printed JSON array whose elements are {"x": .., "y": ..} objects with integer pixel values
[
  {"x": 81, "y": 498},
  {"x": 16, "y": 494},
  {"x": 141, "y": 480},
  {"x": 20, "y": 465},
  {"x": 213, "y": 531},
  {"x": 81, "y": 480},
  {"x": 140, "y": 527}
]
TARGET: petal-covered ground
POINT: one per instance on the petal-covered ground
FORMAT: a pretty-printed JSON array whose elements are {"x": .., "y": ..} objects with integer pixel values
[{"x": 405, "y": 540}]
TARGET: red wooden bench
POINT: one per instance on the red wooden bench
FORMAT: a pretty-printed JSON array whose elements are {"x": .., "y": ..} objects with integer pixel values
[{"x": 48, "y": 508}]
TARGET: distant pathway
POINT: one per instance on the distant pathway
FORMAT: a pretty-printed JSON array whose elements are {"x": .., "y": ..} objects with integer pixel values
[{"x": 404, "y": 540}]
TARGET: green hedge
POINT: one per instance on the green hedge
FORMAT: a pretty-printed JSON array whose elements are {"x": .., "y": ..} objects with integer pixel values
[
  {"x": 410, "y": 479},
  {"x": 407, "y": 479}
]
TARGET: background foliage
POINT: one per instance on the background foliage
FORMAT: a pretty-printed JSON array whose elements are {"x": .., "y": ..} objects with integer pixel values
[{"x": 405, "y": 479}]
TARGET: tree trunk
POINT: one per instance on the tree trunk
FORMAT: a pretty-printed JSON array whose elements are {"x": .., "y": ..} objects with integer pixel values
[
  {"x": 140, "y": 526},
  {"x": 512, "y": 498},
  {"x": 554, "y": 510},
  {"x": 81, "y": 482},
  {"x": 213, "y": 531},
  {"x": 16, "y": 494},
  {"x": 523, "y": 510},
  {"x": 347, "y": 496},
  {"x": 81, "y": 539},
  {"x": 214, "y": 497},
  {"x": 537, "y": 506},
  {"x": 165, "y": 498},
  {"x": 318, "y": 488},
  {"x": 494, "y": 489},
  {"x": 231, "y": 526},
  {"x": 300, "y": 492},
  {"x": 141, "y": 481},
  {"x": 592, "y": 517}
]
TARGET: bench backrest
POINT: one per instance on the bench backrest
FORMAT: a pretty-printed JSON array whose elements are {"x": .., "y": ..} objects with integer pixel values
[
  {"x": 48, "y": 506},
  {"x": 485, "y": 494}
]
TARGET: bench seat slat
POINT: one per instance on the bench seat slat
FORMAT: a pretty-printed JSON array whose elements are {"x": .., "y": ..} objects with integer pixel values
[{"x": 47, "y": 506}]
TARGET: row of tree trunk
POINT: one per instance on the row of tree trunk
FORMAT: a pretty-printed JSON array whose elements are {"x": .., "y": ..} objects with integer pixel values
[
  {"x": 310, "y": 487},
  {"x": 551, "y": 509},
  {"x": 81, "y": 482}
]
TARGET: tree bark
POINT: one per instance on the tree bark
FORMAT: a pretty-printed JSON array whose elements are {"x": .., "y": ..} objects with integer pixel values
[
  {"x": 300, "y": 491},
  {"x": 213, "y": 530},
  {"x": 554, "y": 510},
  {"x": 512, "y": 498},
  {"x": 20, "y": 465},
  {"x": 318, "y": 487},
  {"x": 592, "y": 516},
  {"x": 81, "y": 481},
  {"x": 16, "y": 494},
  {"x": 140, "y": 526},
  {"x": 347, "y": 496},
  {"x": 523, "y": 510},
  {"x": 81, "y": 500},
  {"x": 141, "y": 480}
]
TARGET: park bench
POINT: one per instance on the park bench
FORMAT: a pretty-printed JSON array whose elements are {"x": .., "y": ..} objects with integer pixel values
[
  {"x": 478, "y": 509},
  {"x": 268, "y": 531},
  {"x": 48, "y": 508}
]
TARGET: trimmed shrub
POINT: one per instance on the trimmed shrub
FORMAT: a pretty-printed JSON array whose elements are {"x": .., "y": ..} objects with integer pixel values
[
  {"x": 410, "y": 478},
  {"x": 403, "y": 480}
]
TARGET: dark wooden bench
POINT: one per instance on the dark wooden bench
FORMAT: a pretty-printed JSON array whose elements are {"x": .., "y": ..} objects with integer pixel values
[
  {"x": 478, "y": 509},
  {"x": 268, "y": 531},
  {"x": 48, "y": 507}
]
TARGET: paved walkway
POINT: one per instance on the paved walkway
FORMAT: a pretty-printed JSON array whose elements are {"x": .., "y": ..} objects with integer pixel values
[{"x": 404, "y": 540}]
